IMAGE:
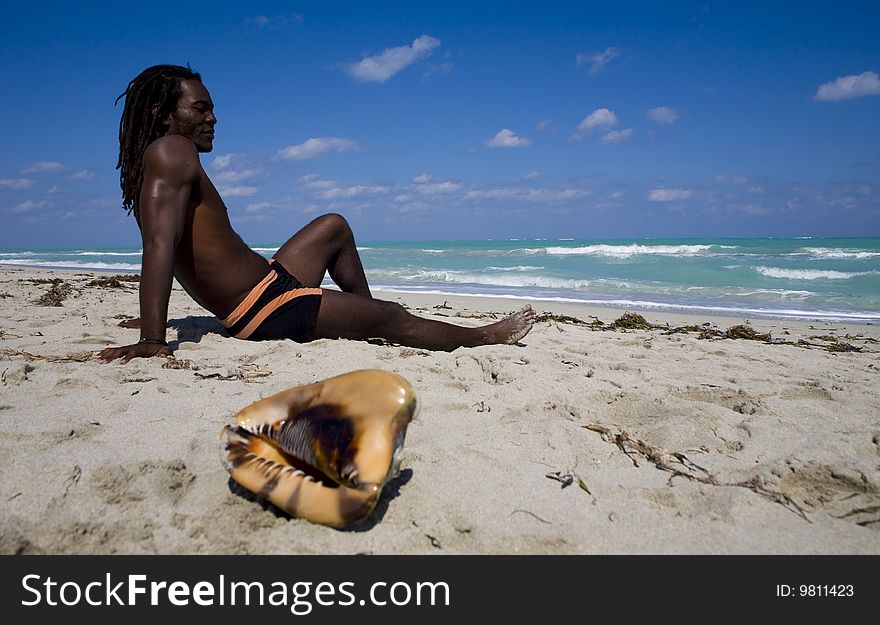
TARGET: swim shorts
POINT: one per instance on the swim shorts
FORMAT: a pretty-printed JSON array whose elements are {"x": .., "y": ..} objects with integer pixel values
[{"x": 279, "y": 307}]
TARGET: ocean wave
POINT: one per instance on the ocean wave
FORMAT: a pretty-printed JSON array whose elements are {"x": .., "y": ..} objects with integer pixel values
[
  {"x": 451, "y": 276},
  {"x": 516, "y": 268},
  {"x": 72, "y": 264},
  {"x": 266, "y": 249},
  {"x": 782, "y": 313},
  {"x": 830, "y": 253},
  {"x": 810, "y": 274},
  {"x": 429, "y": 251},
  {"x": 90, "y": 253},
  {"x": 626, "y": 251}
]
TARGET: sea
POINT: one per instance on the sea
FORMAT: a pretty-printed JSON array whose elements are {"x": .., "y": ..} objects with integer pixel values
[{"x": 803, "y": 277}]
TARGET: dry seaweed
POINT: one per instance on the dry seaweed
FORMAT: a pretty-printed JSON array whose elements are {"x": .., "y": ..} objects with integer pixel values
[
  {"x": 245, "y": 373},
  {"x": 75, "y": 357},
  {"x": 842, "y": 347},
  {"x": 111, "y": 282},
  {"x": 171, "y": 362},
  {"x": 661, "y": 460},
  {"x": 631, "y": 321},
  {"x": 56, "y": 294},
  {"x": 745, "y": 332}
]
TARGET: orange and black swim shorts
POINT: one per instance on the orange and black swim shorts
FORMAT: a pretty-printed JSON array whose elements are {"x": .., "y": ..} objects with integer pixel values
[{"x": 279, "y": 307}]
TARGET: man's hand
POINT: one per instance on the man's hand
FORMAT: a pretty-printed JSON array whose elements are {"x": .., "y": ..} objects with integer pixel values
[{"x": 137, "y": 350}]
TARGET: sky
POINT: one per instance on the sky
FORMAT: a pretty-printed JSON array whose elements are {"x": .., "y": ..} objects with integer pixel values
[{"x": 448, "y": 120}]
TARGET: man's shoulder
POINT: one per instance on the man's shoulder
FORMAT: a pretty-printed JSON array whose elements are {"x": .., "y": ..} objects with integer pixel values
[{"x": 172, "y": 154}]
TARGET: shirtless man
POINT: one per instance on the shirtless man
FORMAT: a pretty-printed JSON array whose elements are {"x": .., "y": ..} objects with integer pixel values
[{"x": 168, "y": 119}]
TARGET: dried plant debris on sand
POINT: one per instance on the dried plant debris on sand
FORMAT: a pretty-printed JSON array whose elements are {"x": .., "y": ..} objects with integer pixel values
[
  {"x": 667, "y": 461},
  {"x": 568, "y": 319},
  {"x": 76, "y": 357},
  {"x": 59, "y": 291},
  {"x": 115, "y": 282},
  {"x": 746, "y": 332},
  {"x": 172, "y": 362},
  {"x": 632, "y": 321}
]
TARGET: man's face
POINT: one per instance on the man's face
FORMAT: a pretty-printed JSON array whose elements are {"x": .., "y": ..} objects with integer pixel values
[{"x": 194, "y": 117}]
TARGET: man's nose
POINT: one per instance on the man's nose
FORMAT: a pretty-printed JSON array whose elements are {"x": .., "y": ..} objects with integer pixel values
[{"x": 211, "y": 118}]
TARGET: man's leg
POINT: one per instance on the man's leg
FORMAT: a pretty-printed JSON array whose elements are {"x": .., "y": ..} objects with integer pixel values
[
  {"x": 326, "y": 244},
  {"x": 349, "y": 316}
]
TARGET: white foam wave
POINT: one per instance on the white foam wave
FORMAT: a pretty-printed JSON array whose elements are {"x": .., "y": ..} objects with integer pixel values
[
  {"x": 827, "y": 252},
  {"x": 433, "y": 251},
  {"x": 831, "y": 315},
  {"x": 266, "y": 249},
  {"x": 810, "y": 274},
  {"x": 516, "y": 268},
  {"x": 460, "y": 277},
  {"x": 626, "y": 251},
  {"x": 89, "y": 253},
  {"x": 72, "y": 264}
]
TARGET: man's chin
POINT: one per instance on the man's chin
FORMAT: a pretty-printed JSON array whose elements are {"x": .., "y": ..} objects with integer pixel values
[{"x": 205, "y": 147}]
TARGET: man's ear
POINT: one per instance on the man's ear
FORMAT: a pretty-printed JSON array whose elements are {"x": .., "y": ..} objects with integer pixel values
[{"x": 166, "y": 121}]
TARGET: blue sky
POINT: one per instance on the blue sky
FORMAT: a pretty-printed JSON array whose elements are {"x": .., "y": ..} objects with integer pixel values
[{"x": 461, "y": 120}]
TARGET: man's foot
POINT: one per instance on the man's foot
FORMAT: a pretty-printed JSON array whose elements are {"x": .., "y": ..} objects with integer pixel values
[{"x": 513, "y": 328}]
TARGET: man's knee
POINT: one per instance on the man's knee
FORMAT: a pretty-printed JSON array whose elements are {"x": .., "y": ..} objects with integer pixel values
[
  {"x": 393, "y": 314},
  {"x": 334, "y": 224}
]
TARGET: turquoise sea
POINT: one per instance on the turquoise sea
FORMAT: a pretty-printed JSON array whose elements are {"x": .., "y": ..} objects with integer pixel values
[{"x": 774, "y": 277}]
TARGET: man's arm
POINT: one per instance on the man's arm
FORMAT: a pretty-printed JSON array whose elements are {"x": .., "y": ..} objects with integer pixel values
[{"x": 171, "y": 168}]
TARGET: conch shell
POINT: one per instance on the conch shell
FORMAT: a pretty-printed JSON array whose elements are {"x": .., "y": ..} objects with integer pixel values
[{"x": 322, "y": 451}]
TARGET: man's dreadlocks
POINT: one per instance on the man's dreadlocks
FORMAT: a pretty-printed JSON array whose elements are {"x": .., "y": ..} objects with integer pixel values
[{"x": 149, "y": 97}]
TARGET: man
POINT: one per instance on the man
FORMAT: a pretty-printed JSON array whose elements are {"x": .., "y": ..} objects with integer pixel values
[{"x": 168, "y": 119}]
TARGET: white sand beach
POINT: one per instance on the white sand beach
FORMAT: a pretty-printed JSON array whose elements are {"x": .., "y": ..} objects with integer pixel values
[{"x": 583, "y": 439}]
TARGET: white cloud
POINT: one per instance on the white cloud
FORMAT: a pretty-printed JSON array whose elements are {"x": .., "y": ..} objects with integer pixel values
[
  {"x": 432, "y": 188},
  {"x": 616, "y": 136},
  {"x": 546, "y": 126},
  {"x": 258, "y": 206},
  {"x": 315, "y": 146},
  {"x": 16, "y": 183},
  {"x": 83, "y": 174},
  {"x": 28, "y": 206},
  {"x": 507, "y": 139},
  {"x": 731, "y": 179},
  {"x": 42, "y": 166},
  {"x": 438, "y": 69},
  {"x": 521, "y": 193},
  {"x": 848, "y": 87},
  {"x": 222, "y": 161},
  {"x": 422, "y": 179},
  {"x": 663, "y": 115},
  {"x": 382, "y": 66},
  {"x": 314, "y": 181},
  {"x": 597, "y": 61},
  {"x": 532, "y": 175},
  {"x": 277, "y": 21},
  {"x": 603, "y": 118},
  {"x": 353, "y": 191},
  {"x": 231, "y": 176},
  {"x": 669, "y": 195},
  {"x": 239, "y": 191}
]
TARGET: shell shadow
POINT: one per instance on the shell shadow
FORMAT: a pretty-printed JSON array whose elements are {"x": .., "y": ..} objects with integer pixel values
[{"x": 390, "y": 492}]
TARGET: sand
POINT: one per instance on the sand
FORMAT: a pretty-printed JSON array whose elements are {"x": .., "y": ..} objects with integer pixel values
[{"x": 580, "y": 440}]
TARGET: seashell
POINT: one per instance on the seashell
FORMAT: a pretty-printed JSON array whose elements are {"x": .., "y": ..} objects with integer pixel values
[{"x": 323, "y": 451}]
